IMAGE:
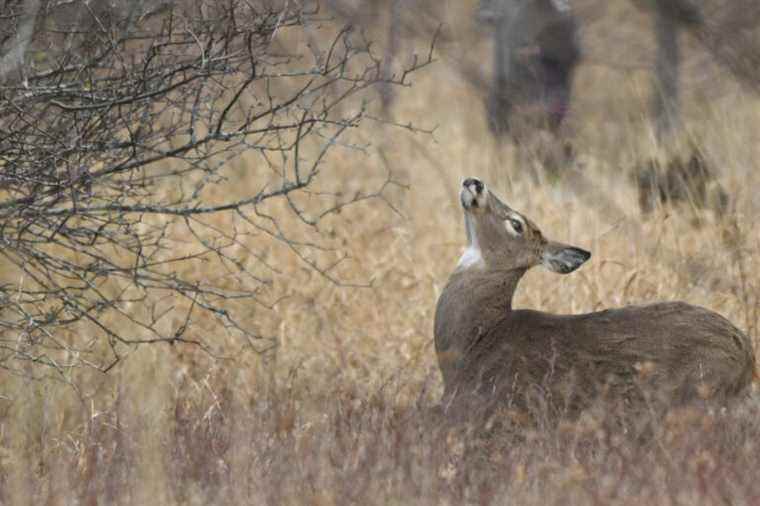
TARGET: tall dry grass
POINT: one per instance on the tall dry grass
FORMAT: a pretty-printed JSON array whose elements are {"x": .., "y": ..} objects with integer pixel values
[{"x": 342, "y": 411}]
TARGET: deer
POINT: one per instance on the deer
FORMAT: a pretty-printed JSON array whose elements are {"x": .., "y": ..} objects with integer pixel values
[{"x": 668, "y": 352}]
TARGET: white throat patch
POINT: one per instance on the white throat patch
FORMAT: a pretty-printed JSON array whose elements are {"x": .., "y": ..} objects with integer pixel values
[{"x": 472, "y": 256}]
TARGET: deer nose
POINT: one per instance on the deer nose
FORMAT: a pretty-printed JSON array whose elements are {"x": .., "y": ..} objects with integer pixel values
[{"x": 475, "y": 183}]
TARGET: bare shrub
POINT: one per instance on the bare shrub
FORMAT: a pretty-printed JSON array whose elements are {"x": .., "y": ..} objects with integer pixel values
[{"x": 120, "y": 130}]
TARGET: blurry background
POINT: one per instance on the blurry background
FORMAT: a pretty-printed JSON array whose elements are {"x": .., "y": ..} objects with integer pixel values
[{"x": 313, "y": 389}]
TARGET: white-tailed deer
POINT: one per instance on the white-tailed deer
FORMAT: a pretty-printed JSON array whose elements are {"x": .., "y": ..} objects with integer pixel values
[{"x": 486, "y": 349}]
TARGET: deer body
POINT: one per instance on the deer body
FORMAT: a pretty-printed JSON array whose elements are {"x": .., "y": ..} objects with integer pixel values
[{"x": 674, "y": 351}]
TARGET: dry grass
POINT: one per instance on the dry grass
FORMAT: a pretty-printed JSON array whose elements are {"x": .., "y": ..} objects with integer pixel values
[{"x": 341, "y": 412}]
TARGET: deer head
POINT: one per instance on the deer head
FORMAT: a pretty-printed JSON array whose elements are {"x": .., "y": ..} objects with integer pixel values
[{"x": 501, "y": 239}]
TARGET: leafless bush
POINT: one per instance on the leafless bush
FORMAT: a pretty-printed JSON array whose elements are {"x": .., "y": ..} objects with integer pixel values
[{"x": 118, "y": 128}]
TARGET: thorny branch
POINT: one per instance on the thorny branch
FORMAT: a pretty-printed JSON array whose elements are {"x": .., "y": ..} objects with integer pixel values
[{"x": 117, "y": 129}]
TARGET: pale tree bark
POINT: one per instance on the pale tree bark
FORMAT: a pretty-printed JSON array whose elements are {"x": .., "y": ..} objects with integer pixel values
[{"x": 666, "y": 99}]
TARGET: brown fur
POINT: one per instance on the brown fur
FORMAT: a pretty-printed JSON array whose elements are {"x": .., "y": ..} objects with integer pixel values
[{"x": 672, "y": 351}]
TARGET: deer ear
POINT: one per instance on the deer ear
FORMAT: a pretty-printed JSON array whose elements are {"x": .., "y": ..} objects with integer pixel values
[{"x": 561, "y": 258}]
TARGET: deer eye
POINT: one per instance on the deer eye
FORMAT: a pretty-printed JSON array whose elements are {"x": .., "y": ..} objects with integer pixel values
[{"x": 516, "y": 226}]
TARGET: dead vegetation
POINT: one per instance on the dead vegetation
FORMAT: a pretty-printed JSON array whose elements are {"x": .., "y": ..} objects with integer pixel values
[{"x": 342, "y": 410}]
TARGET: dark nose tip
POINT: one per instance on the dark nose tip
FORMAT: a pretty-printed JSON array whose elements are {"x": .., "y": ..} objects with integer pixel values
[{"x": 471, "y": 181}]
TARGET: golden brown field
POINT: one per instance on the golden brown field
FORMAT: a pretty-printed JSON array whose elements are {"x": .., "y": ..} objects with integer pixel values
[{"x": 340, "y": 411}]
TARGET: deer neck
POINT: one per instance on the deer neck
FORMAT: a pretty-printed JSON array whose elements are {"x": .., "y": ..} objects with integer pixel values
[
  {"x": 507, "y": 285},
  {"x": 474, "y": 300},
  {"x": 488, "y": 290}
]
